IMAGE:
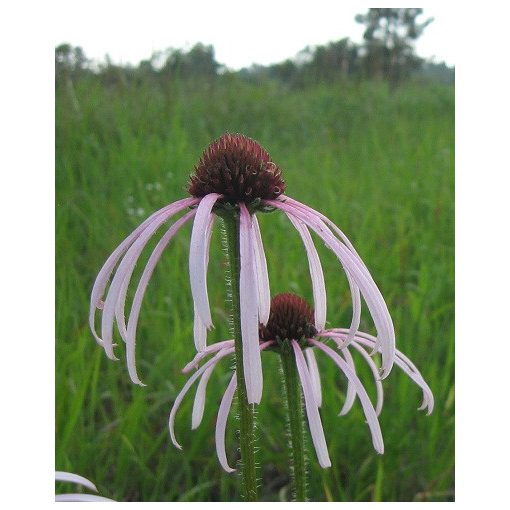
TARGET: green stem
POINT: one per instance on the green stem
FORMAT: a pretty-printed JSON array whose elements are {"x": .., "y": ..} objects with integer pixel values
[
  {"x": 246, "y": 411},
  {"x": 296, "y": 427}
]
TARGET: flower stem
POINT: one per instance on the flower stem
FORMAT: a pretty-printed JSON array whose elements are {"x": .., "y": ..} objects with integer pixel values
[
  {"x": 296, "y": 429},
  {"x": 246, "y": 411}
]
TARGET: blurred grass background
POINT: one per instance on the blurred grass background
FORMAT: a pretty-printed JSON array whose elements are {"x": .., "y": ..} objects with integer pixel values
[{"x": 378, "y": 162}]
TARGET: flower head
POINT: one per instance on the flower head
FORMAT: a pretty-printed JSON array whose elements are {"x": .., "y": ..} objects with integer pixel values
[
  {"x": 237, "y": 168},
  {"x": 291, "y": 317},
  {"x": 291, "y": 325},
  {"x": 236, "y": 176}
]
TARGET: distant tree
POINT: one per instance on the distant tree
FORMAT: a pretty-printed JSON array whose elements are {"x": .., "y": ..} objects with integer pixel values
[
  {"x": 112, "y": 74},
  {"x": 70, "y": 64},
  {"x": 389, "y": 42},
  {"x": 69, "y": 60},
  {"x": 286, "y": 71},
  {"x": 198, "y": 61},
  {"x": 327, "y": 63}
]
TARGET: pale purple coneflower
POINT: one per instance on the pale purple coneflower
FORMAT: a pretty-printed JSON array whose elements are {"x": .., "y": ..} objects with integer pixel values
[
  {"x": 63, "y": 476},
  {"x": 235, "y": 175},
  {"x": 291, "y": 325}
]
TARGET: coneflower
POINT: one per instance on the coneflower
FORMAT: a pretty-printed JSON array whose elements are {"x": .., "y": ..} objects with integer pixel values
[
  {"x": 291, "y": 332},
  {"x": 234, "y": 179},
  {"x": 235, "y": 176}
]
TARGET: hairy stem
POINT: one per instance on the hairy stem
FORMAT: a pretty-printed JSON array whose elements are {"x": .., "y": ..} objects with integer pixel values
[
  {"x": 296, "y": 428},
  {"x": 246, "y": 411}
]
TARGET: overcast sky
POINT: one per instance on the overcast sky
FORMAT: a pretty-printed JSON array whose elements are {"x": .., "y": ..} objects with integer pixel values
[{"x": 242, "y": 33}]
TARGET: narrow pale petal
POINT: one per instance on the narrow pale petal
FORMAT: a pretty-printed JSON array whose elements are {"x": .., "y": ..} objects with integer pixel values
[
  {"x": 368, "y": 408},
  {"x": 407, "y": 366},
  {"x": 187, "y": 386},
  {"x": 316, "y": 274},
  {"x": 356, "y": 304},
  {"x": 64, "y": 476},
  {"x": 362, "y": 278},
  {"x": 265, "y": 345},
  {"x": 199, "y": 402},
  {"x": 221, "y": 423},
  {"x": 210, "y": 349},
  {"x": 428, "y": 396},
  {"x": 375, "y": 373},
  {"x": 329, "y": 333},
  {"x": 318, "y": 214},
  {"x": 199, "y": 328},
  {"x": 315, "y": 378},
  {"x": 350, "y": 394},
  {"x": 372, "y": 340},
  {"x": 140, "y": 292},
  {"x": 198, "y": 257},
  {"x": 249, "y": 310},
  {"x": 356, "y": 309},
  {"x": 87, "y": 498},
  {"x": 104, "y": 274},
  {"x": 261, "y": 275},
  {"x": 120, "y": 309},
  {"x": 312, "y": 410},
  {"x": 125, "y": 271}
]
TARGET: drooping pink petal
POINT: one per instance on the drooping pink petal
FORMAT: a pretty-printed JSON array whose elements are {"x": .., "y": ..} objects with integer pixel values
[
  {"x": 316, "y": 274},
  {"x": 64, "y": 476},
  {"x": 315, "y": 378},
  {"x": 356, "y": 309},
  {"x": 210, "y": 349},
  {"x": 375, "y": 373},
  {"x": 140, "y": 292},
  {"x": 325, "y": 219},
  {"x": 198, "y": 257},
  {"x": 350, "y": 394},
  {"x": 330, "y": 333},
  {"x": 252, "y": 364},
  {"x": 221, "y": 423},
  {"x": 212, "y": 362},
  {"x": 312, "y": 410},
  {"x": 261, "y": 276},
  {"x": 86, "y": 498},
  {"x": 120, "y": 311},
  {"x": 350, "y": 246},
  {"x": 199, "y": 402},
  {"x": 199, "y": 328},
  {"x": 356, "y": 302},
  {"x": 428, "y": 396},
  {"x": 125, "y": 270},
  {"x": 266, "y": 344},
  {"x": 404, "y": 363},
  {"x": 362, "y": 278},
  {"x": 104, "y": 274},
  {"x": 368, "y": 408},
  {"x": 371, "y": 340}
]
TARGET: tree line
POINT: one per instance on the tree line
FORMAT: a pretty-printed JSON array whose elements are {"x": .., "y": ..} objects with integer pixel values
[{"x": 387, "y": 54}]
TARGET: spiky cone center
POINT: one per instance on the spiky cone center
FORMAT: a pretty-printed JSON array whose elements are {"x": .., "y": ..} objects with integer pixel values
[
  {"x": 291, "y": 318},
  {"x": 238, "y": 168}
]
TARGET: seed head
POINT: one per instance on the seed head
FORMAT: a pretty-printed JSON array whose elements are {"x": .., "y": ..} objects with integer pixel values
[
  {"x": 239, "y": 168},
  {"x": 291, "y": 318}
]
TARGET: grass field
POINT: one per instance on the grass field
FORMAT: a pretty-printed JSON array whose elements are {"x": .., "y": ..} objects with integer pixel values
[{"x": 379, "y": 163}]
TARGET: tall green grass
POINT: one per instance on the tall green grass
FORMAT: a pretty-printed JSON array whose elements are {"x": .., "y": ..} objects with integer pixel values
[{"x": 379, "y": 163}]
